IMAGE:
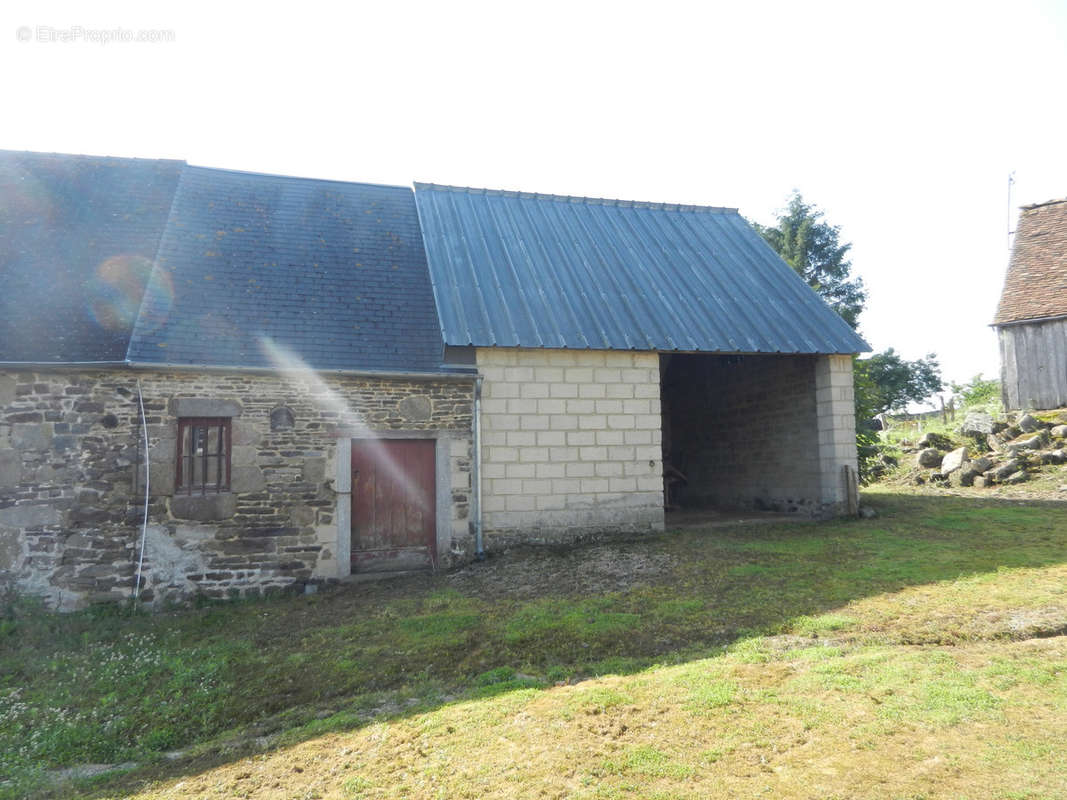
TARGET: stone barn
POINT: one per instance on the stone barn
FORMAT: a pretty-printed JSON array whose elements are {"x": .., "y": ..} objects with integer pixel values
[
  {"x": 627, "y": 350},
  {"x": 1031, "y": 320},
  {"x": 282, "y": 337},
  {"x": 224, "y": 383}
]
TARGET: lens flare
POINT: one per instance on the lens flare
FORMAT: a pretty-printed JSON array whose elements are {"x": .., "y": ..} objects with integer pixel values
[
  {"x": 297, "y": 370},
  {"x": 158, "y": 300},
  {"x": 115, "y": 291}
]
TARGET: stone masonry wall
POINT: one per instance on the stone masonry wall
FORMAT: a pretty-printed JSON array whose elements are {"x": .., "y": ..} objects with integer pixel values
[
  {"x": 72, "y": 498},
  {"x": 570, "y": 443}
]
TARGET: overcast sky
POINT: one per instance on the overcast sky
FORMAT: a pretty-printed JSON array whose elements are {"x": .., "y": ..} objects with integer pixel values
[{"x": 901, "y": 121}]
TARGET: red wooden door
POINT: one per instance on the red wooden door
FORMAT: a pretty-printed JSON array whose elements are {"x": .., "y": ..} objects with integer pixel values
[{"x": 394, "y": 524}]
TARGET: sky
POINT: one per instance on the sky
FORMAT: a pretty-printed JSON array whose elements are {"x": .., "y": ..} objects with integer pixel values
[{"x": 902, "y": 121}]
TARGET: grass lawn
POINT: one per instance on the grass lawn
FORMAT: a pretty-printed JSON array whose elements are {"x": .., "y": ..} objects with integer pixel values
[{"x": 921, "y": 654}]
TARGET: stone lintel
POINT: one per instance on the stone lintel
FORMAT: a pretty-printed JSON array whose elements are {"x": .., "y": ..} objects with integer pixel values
[{"x": 204, "y": 407}]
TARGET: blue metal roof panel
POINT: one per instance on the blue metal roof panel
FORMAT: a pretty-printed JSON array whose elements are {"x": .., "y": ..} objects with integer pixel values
[{"x": 513, "y": 269}]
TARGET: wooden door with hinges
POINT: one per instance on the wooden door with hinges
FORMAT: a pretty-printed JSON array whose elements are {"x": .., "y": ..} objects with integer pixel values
[{"x": 394, "y": 521}]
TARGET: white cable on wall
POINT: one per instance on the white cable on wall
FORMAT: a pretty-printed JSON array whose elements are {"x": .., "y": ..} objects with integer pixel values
[{"x": 144, "y": 525}]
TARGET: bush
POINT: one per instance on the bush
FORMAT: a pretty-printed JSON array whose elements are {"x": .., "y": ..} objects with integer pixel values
[{"x": 978, "y": 391}]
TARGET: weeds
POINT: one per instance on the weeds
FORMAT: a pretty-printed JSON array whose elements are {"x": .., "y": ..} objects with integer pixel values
[{"x": 714, "y": 656}]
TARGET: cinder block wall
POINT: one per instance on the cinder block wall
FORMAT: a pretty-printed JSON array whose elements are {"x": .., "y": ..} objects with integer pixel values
[
  {"x": 570, "y": 443},
  {"x": 836, "y": 418},
  {"x": 761, "y": 432}
]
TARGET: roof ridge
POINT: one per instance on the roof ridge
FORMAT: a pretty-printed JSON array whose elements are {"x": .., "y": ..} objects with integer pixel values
[
  {"x": 1046, "y": 203},
  {"x": 254, "y": 174},
  {"x": 566, "y": 198},
  {"x": 54, "y": 154}
]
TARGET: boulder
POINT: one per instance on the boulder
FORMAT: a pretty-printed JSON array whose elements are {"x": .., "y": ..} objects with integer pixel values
[
  {"x": 1033, "y": 443},
  {"x": 977, "y": 423},
  {"x": 930, "y": 457},
  {"x": 1017, "y": 477},
  {"x": 1004, "y": 470},
  {"x": 971, "y": 470},
  {"x": 954, "y": 460},
  {"x": 1059, "y": 432},
  {"x": 999, "y": 426},
  {"x": 935, "y": 440},
  {"x": 980, "y": 482},
  {"x": 1053, "y": 456},
  {"x": 1029, "y": 424}
]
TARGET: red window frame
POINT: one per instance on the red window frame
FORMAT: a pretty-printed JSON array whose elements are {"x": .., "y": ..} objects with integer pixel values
[{"x": 198, "y": 461}]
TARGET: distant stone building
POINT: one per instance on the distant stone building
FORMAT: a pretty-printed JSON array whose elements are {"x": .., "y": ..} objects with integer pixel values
[
  {"x": 340, "y": 378},
  {"x": 1031, "y": 320}
]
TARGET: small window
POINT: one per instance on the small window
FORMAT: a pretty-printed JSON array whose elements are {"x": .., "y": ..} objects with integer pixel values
[{"x": 203, "y": 455}]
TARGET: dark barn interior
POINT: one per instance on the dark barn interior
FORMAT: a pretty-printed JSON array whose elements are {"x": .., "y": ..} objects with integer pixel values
[{"x": 739, "y": 432}]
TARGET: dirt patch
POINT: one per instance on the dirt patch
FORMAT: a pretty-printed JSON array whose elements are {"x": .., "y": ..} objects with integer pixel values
[{"x": 530, "y": 572}]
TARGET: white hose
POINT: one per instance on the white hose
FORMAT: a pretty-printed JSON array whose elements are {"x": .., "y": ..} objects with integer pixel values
[{"x": 144, "y": 525}]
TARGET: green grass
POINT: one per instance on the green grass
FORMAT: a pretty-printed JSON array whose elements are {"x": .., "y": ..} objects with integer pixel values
[{"x": 862, "y": 635}]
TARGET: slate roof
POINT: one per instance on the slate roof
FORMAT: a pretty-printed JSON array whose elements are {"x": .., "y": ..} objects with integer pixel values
[
  {"x": 513, "y": 269},
  {"x": 116, "y": 259},
  {"x": 1035, "y": 286},
  {"x": 332, "y": 272},
  {"x": 78, "y": 235}
]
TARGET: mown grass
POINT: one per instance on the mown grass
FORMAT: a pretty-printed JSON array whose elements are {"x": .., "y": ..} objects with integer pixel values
[{"x": 762, "y": 657}]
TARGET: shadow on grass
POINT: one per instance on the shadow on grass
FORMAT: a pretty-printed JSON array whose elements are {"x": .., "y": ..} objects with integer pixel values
[{"x": 278, "y": 672}]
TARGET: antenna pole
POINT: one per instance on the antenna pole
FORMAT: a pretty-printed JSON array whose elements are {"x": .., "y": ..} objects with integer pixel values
[{"x": 1011, "y": 182}]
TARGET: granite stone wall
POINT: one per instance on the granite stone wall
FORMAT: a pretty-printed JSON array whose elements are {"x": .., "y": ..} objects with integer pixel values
[{"x": 72, "y": 478}]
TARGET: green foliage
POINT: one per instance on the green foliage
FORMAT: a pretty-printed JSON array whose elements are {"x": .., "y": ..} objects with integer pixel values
[
  {"x": 890, "y": 382},
  {"x": 978, "y": 391},
  {"x": 812, "y": 248},
  {"x": 867, "y": 401},
  {"x": 93, "y": 687},
  {"x": 886, "y": 382}
]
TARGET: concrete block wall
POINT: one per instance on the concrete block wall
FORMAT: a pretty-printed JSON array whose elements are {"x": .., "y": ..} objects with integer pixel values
[
  {"x": 836, "y": 421},
  {"x": 570, "y": 443}
]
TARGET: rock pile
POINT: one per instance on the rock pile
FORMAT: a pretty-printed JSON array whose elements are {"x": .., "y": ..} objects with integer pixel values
[{"x": 994, "y": 453}]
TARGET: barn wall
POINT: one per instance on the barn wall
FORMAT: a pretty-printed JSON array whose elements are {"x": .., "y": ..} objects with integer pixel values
[
  {"x": 570, "y": 443},
  {"x": 71, "y": 504},
  {"x": 1033, "y": 364}
]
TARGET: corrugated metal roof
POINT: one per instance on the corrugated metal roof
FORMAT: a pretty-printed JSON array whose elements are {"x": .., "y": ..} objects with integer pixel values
[{"x": 513, "y": 269}]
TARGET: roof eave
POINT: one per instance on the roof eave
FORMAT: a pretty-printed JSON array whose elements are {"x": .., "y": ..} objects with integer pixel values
[{"x": 1029, "y": 321}]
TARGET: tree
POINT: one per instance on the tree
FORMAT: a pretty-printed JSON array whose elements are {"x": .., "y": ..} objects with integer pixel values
[
  {"x": 811, "y": 247},
  {"x": 887, "y": 382},
  {"x": 978, "y": 391}
]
